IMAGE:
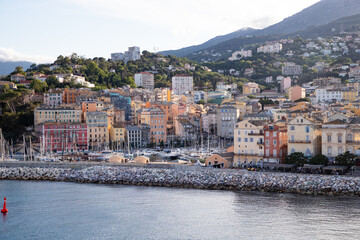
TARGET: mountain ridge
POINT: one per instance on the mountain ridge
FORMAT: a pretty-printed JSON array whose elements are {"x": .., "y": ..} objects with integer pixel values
[{"x": 320, "y": 13}]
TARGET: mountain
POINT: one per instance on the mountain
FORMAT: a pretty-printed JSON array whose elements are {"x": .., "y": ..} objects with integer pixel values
[
  {"x": 8, "y": 67},
  {"x": 189, "y": 50},
  {"x": 223, "y": 50},
  {"x": 348, "y": 24},
  {"x": 320, "y": 13}
]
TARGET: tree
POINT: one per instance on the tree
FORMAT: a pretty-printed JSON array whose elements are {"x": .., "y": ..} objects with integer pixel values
[
  {"x": 201, "y": 101},
  {"x": 302, "y": 100},
  {"x": 38, "y": 86},
  {"x": 19, "y": 69},
  {"x": 297, "y": 158},
  {"x": 319, "y": 160},
  {"x": 52, "y": 82},
  {"x": 346, "y": 159}
]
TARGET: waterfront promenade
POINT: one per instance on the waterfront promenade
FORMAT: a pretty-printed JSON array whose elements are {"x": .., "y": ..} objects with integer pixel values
[{"x": 182, "y": 176}]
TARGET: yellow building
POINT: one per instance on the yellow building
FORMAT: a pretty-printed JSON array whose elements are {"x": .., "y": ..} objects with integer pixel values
[
  {"x": 57, "y": 114},
  {"x": 304, "y": 135},
  {"x": 248, "y": 142},
  {"x": 98, "y": 131},
  {"x": 350, "y": 95},
  {"x": 117, "y": 133},
  {"x": 251, "y": 88}
]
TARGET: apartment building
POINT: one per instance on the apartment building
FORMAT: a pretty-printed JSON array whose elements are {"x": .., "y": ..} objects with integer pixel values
[
  {"x": 275, "y": 142},
  {"x": 63, "y": 137},
  {"x": 57, "y": 114},
  {"x": 145, "y": 80},
  {"x": 182, "y": 84},
  {"x": 304, "y": 135},
  {"x": 98, "y": 130},
  {"x": 249, "y": 142}
]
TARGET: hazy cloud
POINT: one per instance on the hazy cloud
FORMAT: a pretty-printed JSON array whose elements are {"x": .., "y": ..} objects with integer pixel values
[{"x": 8, "y": 54}]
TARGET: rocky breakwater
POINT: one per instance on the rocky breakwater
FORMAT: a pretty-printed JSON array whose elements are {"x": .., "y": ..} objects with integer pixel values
[{"x": 204, "y": 179}]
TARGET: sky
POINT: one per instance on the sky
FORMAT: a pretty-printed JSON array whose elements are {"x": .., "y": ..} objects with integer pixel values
[{"x": 40, "y": 30}]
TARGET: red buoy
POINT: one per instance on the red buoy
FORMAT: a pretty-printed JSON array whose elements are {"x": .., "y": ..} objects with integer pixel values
[{"x": 4, "y": 210}]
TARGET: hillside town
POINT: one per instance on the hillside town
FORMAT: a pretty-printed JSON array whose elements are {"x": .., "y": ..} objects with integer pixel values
[{"x": 236, "y": 124}]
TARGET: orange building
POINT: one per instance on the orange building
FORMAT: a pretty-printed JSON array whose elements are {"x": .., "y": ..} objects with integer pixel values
[
  {"x": 275, "y": 140},
  {"x": 156, "y": 119},
  {"x": 70, "y": 95}
]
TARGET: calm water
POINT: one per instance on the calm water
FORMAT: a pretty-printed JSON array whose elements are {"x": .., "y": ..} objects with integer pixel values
[{"x": 55, "y": 210}]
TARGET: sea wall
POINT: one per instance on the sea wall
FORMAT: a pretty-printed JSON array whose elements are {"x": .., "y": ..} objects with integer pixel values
[{"x": 204, "y": 179}]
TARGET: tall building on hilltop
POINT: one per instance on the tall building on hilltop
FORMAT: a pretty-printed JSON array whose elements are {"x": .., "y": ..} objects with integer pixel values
[{"x": 132, "y": 54}]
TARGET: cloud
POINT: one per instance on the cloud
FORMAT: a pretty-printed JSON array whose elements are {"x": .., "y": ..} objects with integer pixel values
[{"x": 8, "y": 54}]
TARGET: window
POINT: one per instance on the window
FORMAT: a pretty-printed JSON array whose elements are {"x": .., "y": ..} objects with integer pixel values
[
  {"x": 239, "y": 139},
  {"x": 292, "y": 138},
  {"x": 274, "y": 134},
  {"x": 267, "y": 134},
  {"x": 329, "y": 138},
  {"x": 340, "y": 138},
  {"x": 329, "y": 151},
  {"x": 292, "y": 150},
  {"x": 274, "y": 153},
  {"x": 251, "y": 139},
  {"x": 307, "y": 138},
  {"x": 245, "y": 139},
  {"x": 267, "y": 152},
  {"x": 340, "y": 150},
  {"x": 307, "y": 129},
  {"x": 292, "y": 128},
  {"x": 307, "y": 152},
  {"x": 275, "y": 142}
]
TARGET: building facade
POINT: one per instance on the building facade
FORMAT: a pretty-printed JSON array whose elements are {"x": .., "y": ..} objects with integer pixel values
[
  {"x": 275, "y": 142},
  {"x": 145, "y": 80},
  {"x": 182, "y": 84},
  {"x": 304, "y": 135},
  {"x": 98, "y": 130},
  {"x": 63, "y": 137},
  {"x": 57, "y": 114}
]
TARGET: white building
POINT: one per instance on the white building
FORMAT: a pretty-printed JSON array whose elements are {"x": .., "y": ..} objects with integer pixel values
[
  {"x": 145, "y": 79},
  {"x": 240, "y": 54},
  {"x": 272, "y": 48},
  {"x": 182, "y": 84},
  {"x": 327, "y": 95},
  {"x": 132, "y": 54}
]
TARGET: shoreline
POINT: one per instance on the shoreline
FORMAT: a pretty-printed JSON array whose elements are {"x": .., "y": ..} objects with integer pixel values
[{"x": 197, "y": 178}]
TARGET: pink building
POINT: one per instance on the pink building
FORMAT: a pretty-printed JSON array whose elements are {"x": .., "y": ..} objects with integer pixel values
[
  {"x": 53, "y": 98},
  {"x": 296, "y": 92},
  {"x": 285, "y": 84},
  {"x": 66, "y": 137}
]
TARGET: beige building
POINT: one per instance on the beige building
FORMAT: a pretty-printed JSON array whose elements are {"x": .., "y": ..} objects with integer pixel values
[
  {"x": 333, "y": 138},
  {"x": 304, "y": 135},
  {"x": 57, "y": 114},
  {"x": 117, "y": 134},
  {"x": 251, "y": 88},
  {"x": 248, "y": 142},
  {"x": 98, "y": 130}
]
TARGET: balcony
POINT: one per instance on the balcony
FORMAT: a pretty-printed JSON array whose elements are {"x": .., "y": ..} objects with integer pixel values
[
  {"x": 353, "y": 142},
  {"x": 260, "y": 143},
  {"x": 256, "y": 134},
  {"x": 250, "y": 154},
  {"x": 300, "y": 141}
]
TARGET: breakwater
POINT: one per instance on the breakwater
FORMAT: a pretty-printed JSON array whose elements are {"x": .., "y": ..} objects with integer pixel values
[{"x": 203, "y": 179}]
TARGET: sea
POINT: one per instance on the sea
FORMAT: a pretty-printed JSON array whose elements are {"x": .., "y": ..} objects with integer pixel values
[{"x": 62, "y": 210}]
